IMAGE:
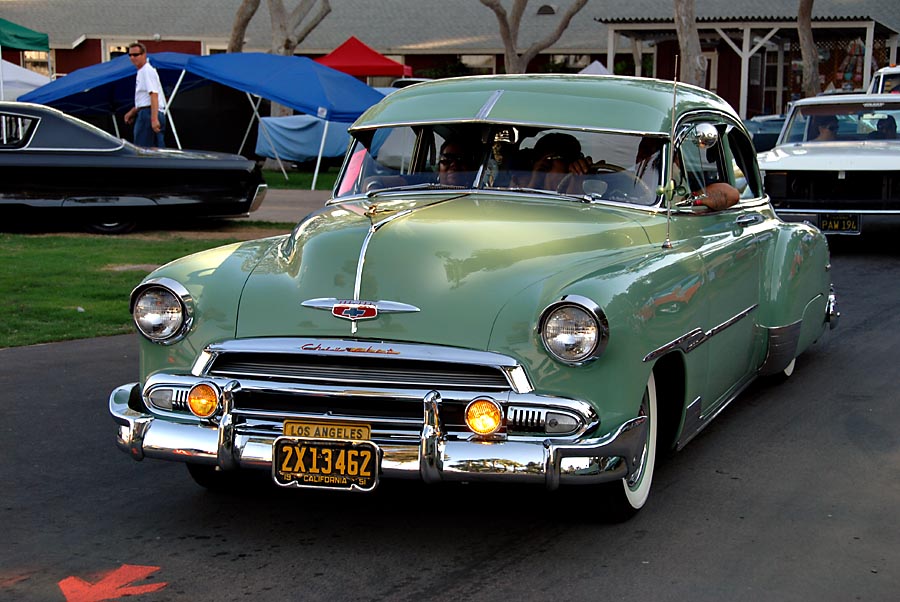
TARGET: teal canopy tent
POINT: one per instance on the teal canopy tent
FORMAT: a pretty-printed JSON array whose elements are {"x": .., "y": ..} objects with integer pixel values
[{"x": 19, "y": 38}]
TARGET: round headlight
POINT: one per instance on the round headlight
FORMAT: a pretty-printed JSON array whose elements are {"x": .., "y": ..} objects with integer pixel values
[
  {"x": 484, "y": 416},
  {"x": 573, "y": 333},
  {"x": 158, "y": 313},
  {"x": 203, "y": 400}
]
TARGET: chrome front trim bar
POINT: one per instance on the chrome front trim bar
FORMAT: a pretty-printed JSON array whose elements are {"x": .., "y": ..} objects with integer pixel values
[
  {"x": 515, "y": 373},
  {"x": 436, "y": 457}
]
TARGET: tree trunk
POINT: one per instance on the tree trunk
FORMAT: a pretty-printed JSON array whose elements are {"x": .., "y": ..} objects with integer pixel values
[
  {"x": 285, "y": 34},
  {"x": 242, "y": 18},
  {"x": 509, "y": 32},
  {"x": 692, "y": 61},
  {"x": 809, "y": 54}
]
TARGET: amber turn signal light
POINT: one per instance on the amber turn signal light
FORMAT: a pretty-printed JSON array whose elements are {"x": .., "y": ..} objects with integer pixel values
[
  {"x": 484, "y": 416},
  {"x": 203, "y": 400}
]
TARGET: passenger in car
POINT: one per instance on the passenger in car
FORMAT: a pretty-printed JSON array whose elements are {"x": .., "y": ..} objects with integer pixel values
[
  {"x": 825, "y": 128},
  {"x": 555, "y": 156},
  {"x": 456, "y": 163},
  {"x": 886, "y": 129}
]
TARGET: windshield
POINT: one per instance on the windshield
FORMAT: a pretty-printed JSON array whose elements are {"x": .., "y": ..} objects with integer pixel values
[
  {"x": 598, "y": 165},
  {"x": 836, "y": 122}
]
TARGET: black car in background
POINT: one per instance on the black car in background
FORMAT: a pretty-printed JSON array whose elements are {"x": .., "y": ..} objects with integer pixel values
[
  {"x": 764, "y": 130},
  {"x": 55, "y": 167}
]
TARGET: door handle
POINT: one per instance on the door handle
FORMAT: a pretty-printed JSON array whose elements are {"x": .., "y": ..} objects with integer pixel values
[{"x": 749, "y": 219}]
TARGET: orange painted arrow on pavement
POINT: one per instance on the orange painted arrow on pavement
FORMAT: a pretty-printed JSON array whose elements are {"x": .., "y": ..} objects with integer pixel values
[{"x": 112, "y": 585}]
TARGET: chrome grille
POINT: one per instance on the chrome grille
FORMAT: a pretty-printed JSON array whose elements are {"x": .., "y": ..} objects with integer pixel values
[
  {"x": 526, "y": 420},
  {"x": 362, "y": 371}
]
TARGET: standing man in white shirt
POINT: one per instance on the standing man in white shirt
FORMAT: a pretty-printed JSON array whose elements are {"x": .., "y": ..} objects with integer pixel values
[{"x": 148, "y": 113}]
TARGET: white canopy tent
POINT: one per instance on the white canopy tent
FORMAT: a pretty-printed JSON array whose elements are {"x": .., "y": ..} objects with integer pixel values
[
  {"x": 595, "y": 68},
  {"x": 18, "y": 80}
]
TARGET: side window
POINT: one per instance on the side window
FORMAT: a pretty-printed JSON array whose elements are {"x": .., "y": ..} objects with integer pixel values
[
  {"x": 741, "y": 161},
  {"x": 15, "y": 130},
  {"x": 700, "y": 167}
]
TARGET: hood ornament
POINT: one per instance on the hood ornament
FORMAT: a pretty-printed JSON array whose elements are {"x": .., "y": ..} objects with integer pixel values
[{"x": 358, "y": 309}]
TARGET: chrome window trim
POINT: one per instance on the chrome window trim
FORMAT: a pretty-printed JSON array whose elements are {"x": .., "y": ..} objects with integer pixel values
[{"x": 34, "y": 130}]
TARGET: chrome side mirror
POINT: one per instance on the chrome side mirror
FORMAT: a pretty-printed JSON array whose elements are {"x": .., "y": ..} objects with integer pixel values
[{"x": 705, "y": 135}]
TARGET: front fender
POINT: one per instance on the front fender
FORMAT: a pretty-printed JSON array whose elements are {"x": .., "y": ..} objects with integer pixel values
[
  {"x": 215, "y": 280},
  {"x": 649, "y": 300}
]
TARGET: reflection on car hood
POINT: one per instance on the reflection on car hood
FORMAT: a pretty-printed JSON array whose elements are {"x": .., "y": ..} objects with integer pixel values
[
  {"x": 457, "y": 258},
  {"x": 869, "y": 155},
  {"x": 171, "y": 153}
]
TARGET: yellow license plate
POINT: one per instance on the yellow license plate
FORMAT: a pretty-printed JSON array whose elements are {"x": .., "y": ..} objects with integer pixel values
[
  {"x": 325, "y": 464},
  {"x": 840, "y": 222},
  {"x": 312, "y": 429}
]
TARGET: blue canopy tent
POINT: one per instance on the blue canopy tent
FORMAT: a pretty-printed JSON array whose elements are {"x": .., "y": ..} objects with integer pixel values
[
  {"x": 295, "y": 82},
  {"x": 108, "y": 88}
]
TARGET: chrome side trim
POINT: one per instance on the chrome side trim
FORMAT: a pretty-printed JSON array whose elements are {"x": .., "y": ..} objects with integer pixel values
[
  {"x": 782, "y": 347},
  {"x": 832, "y": 315},
  {"x": 695, "y": 421},
  {"x": 258, "y": 197},
  {"x": 692, "y": 424},
  {"x": 691, "y": 340}
]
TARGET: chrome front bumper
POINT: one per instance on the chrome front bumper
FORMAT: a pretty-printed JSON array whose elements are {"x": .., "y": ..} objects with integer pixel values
[{"x": 438, "y": 457}]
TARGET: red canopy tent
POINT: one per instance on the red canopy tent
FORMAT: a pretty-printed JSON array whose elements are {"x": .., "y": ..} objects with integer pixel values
[{"x": 355, "y": 58}]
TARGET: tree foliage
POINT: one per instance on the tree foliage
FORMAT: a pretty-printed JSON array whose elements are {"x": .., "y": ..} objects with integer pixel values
[{"x": 517, "y": 62}]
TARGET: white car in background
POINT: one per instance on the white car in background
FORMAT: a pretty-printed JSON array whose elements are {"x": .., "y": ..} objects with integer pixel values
[
  {"x": 886, "y": 81},
  {"x": 836, "y": 164}
]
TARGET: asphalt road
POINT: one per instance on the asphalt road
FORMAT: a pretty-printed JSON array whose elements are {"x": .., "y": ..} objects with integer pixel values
[{"x": 791, "y": 494}]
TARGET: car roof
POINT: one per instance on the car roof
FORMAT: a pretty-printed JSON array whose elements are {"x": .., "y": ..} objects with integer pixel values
[
  {"x": 628, "y": 104},
  {"x": 59, "y": 131},
  {"x": 840, "y": 99}
]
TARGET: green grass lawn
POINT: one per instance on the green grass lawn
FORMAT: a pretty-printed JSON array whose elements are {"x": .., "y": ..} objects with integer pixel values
[
  {"x": 300, "y": 179},
  {"x": 61, "y": 287}
]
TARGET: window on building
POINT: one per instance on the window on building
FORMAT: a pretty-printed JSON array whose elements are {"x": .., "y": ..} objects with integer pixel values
[
  {"x": 479, "y": 64},
  {"x": 37, "y": 61}
]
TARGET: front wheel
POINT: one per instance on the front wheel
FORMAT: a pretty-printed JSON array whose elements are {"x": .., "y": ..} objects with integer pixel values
[
  {"x": 625, "y": 497},
  {"x": 111, "y": 227}
]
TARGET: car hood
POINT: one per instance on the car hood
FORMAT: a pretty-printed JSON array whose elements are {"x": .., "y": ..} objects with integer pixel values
[
  {"x": 868, "y": 155},
  {"x": 450, "y": 262},
  {"x": 171, "y": 153}
]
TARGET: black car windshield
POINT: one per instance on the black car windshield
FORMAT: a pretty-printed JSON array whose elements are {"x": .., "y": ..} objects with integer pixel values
[
  {"x": 606, "y": 166},
  {"x": 847, "y": 121}
]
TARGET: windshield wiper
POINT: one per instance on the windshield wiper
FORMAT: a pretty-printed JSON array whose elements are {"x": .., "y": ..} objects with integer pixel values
[
  {"x": 422, "y": 186},
  {"x": 553, "y": 193}
]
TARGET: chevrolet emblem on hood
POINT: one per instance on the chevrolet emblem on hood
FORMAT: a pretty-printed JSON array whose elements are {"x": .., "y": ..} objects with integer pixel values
[{"x": 356, "y": 309}]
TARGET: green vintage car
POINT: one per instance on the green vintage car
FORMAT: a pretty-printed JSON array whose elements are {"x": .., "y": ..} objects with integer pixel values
[{"x": 518, "y": 280}]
